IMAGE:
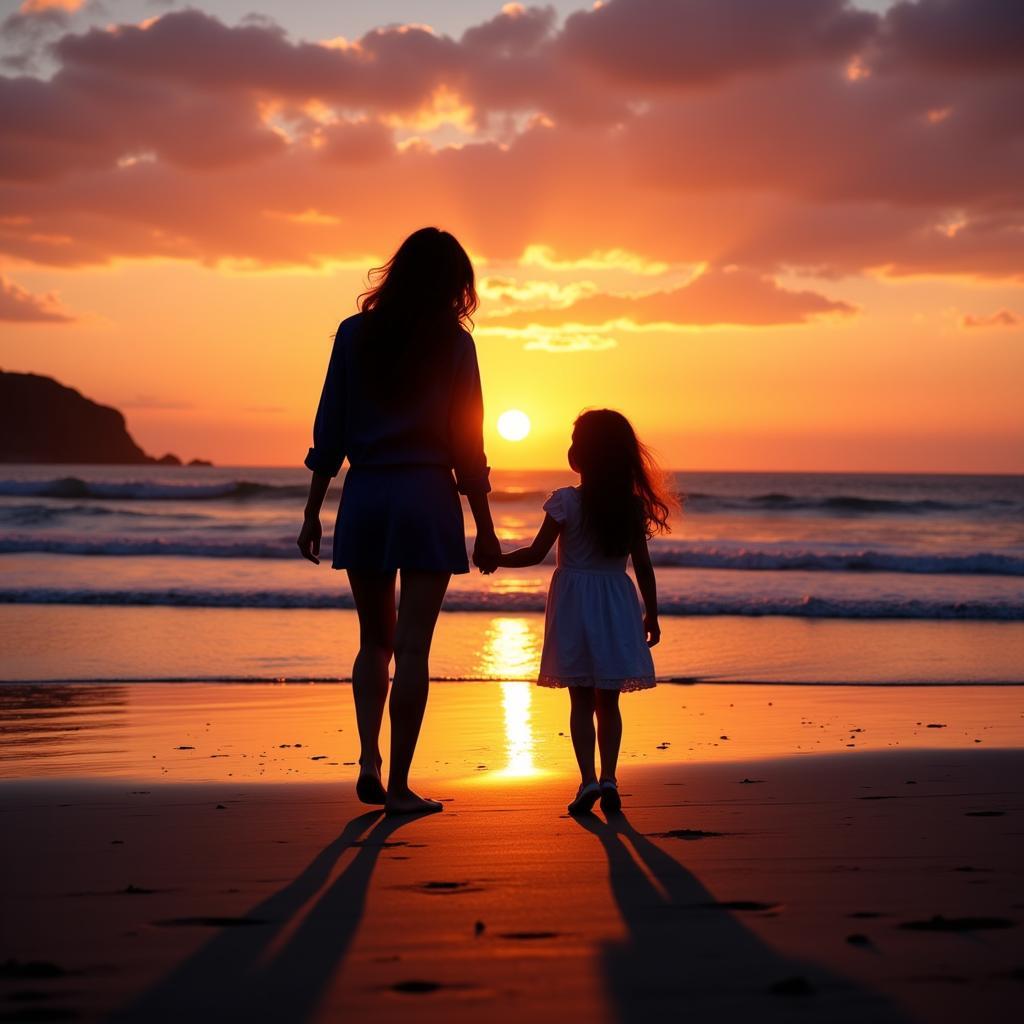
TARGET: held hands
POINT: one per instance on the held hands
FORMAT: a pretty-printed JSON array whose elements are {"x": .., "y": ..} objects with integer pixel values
[
  {"x": 486, "y": 552},
  {"x": 309, "y": 539},
  {"x": 652, "y": 630}
]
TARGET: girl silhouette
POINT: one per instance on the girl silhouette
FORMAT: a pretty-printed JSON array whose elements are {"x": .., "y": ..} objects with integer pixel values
[
  {"x": 402, "y": 402},
  {"x": 596, "y": 641}
]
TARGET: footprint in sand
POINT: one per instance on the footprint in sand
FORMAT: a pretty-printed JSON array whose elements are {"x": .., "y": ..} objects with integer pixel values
[
  {"x": 938, "y": 923},
  {"x": 687, "y": 833},
  {"x": 444, "y": 888}
]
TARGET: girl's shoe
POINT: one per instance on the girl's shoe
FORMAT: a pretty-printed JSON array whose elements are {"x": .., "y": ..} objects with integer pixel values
[
  {"x": 586, "y": 796},
  {"x": 611, "y": 802}
]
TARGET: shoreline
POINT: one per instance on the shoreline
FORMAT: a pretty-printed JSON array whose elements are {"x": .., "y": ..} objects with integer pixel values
[{"x": 347, "y": 680}]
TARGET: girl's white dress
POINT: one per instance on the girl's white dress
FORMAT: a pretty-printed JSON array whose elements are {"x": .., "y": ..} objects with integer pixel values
[{"x": 593, "y": 623}]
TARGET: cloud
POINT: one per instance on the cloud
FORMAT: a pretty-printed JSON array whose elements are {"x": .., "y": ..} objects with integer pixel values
[
  {"x": 608, "y": 259},
  {"x": 516, "y": 29},
  {"x": 355, "y": 142},
  {"x": 391, "y": 68},
  {"x": 684, "y": 42},
  {"x": 956, "y": 36},
  {"x": 503, "y": 294},
  {"x": 589, "y": 146},
  {"x": 570, "y": 342},
  {"x": 29, "y": 27},
  {"x": 815, "y": 135},
  {"x": 20, "y": 306},
  {"x": 40, "y": 6},
  {"x": 1000, "y": 318},
  {"x": 717, "y": 296}
]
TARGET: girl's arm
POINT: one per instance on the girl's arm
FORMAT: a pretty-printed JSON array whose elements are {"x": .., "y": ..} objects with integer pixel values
[
  {"x": 648, "y": 589},
  {"x": 538, "y": 550}
]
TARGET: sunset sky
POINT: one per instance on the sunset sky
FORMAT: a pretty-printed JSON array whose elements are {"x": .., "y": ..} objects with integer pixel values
[{"x": 777, "y": 235}]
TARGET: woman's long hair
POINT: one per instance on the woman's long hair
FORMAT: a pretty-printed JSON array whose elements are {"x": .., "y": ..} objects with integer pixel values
[
  {"x": 415, "y": 306},
  {"x": 624, "y": 494}
]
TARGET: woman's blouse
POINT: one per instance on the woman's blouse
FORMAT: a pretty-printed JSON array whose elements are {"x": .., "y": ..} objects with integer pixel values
[{"x": 439, "y": 421}]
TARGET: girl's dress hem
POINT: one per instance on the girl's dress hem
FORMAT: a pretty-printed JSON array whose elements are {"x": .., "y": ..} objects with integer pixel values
[{"x": 622, "y": 685}]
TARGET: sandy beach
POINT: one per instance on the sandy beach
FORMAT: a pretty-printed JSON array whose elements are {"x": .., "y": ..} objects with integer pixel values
[
  {"x": 371, "y": 349},
  {"x": 761, "y": 875}
]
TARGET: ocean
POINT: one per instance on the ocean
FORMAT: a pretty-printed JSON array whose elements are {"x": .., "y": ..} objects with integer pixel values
[{"x": 938, "y": 559}]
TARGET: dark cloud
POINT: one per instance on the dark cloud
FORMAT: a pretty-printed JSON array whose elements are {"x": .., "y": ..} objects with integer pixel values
[
  {"x": 682, "y": 42},
  {"x": 955, "y": 36},
  {"x": 390, "y": 69},
  {"x": 816, "y": 135},
  {"x": 516, "y": 29}
]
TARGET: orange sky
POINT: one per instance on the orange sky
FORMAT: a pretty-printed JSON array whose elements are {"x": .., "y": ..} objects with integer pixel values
[{"x": 785, "y": 236}]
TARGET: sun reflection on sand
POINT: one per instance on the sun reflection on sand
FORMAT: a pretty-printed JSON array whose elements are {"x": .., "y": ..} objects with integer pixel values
[
  {"x": 515, "y": 700},
  {"x": 511, "y": 649},
  {"x": 511, "y": 653}
]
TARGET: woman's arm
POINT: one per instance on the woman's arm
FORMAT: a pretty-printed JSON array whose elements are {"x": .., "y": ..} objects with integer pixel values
[
  {"x": 312, "y": 531},
  {"x": 466, "y": 441},
  {"x": 487, "y": 547},
  {"x": 329, "y": 441},
  {"x": 644, "y": 571},
  {"x": 466, "y": 423},
  {"x": 538, "y": 550},
  {"x": 324, "y": 459}
]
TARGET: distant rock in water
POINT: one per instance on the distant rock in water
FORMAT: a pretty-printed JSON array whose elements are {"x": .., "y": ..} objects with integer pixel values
[{"x": 44, "y": 421}]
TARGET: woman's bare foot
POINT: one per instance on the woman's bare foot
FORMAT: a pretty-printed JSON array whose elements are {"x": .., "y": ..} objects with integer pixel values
[
  {"x": 409, "y": 803},
  {"x": 369, "y": 788}
]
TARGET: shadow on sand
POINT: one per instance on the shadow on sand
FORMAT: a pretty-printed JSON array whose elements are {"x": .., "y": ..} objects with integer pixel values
[
  {"x": 685, "y": 953},
  {"x": 257, "y": 968}
]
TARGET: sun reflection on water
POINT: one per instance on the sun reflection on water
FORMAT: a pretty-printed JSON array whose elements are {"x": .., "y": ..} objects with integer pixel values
[{"x": 511, "y": 654}]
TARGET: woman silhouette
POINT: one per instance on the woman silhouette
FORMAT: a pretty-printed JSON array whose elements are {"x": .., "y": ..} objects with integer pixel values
[{"x": 402, "y": 402}]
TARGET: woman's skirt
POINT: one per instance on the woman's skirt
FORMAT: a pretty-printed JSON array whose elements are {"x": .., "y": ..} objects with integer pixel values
[{"x": 400, "y": 517}]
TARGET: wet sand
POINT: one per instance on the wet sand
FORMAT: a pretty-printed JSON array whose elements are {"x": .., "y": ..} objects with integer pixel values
[
  {"x": 104, "y": 643},
  {"x": 767, "y": 877}
]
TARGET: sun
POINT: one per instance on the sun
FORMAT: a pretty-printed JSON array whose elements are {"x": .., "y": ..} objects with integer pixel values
[{"x": 513, "y": 425}]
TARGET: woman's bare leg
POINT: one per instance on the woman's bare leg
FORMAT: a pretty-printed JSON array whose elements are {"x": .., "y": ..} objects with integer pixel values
[
  {"x": 581, "y": 728},
  {"x": 419, "y": 605},
  {"x": 609, "y": 731},
  {"x": 374, "y": 594}
]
